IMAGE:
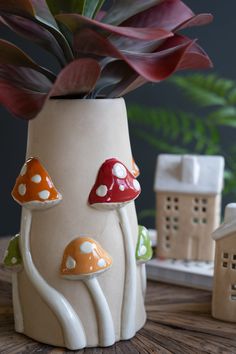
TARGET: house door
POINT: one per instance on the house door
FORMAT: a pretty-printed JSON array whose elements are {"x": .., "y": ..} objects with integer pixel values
[{"x": 193, "y": 248}]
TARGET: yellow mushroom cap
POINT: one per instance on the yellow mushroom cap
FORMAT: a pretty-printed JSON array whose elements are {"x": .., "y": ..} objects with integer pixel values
[{"x": 84, "y": 257}]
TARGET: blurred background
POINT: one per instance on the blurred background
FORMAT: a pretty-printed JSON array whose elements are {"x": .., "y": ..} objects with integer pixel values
[{"x": 191, "y": 113}]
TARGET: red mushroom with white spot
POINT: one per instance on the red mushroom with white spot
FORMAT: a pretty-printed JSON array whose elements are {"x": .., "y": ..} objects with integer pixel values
[
  {"x": 114, "y": 188},
  {"x": 34, "y": 190}
]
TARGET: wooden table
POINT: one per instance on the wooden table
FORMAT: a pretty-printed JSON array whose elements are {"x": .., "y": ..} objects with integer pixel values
[{"x": 179, "y": 322}]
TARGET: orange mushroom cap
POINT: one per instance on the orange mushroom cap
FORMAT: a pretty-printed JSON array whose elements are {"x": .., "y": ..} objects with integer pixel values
[
  {"x": 135, "y": 170},
  {"x": 34, "y": 188},
  {"x": 84, "y": 257}
]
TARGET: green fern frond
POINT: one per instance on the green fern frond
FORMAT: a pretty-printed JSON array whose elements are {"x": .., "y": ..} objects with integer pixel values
[
  {"x": 173, "y": 132},
  {"x": 205, "y": 90}
]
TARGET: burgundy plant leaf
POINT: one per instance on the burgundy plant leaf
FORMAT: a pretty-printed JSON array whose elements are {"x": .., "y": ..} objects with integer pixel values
[
  {"x": 25, "y": 78},
  {"x": 193, "y": 58},
  {"x": 129, "y": 79},
  {"x": 112, "y": 74},
  {"x": 152, "y": 66},
  {"x": 12, "y": 55},
  {"x": 35, "y": 33},
  {"x": 22, "y": 103},
  {"x": 77, "y": 22},
  {"x": 77, "y": 78},
  {"x": 38, "y": 11},
  {"x": 18, "y": 7},
  {"x": 123, "y": 9},
  {"x": 169, "y": 15}
]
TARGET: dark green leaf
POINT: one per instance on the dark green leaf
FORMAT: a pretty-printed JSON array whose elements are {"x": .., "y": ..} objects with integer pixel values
[{"x": 66, "y": 6}]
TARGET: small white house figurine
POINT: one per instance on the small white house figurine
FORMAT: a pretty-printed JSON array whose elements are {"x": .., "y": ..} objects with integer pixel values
[
  {"x": 188, "y": 191},
  {"x": 224, "y": 287}
]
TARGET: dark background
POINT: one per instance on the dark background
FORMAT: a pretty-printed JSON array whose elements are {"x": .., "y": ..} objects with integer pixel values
[{"x": 217, "y": 39}]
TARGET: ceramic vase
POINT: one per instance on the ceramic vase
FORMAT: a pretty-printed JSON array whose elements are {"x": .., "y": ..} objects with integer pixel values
[{"x": 72, "y": 139}]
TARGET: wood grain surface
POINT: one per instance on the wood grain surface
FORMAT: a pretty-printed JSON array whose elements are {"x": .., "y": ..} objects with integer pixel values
[{"x": 179, "y": 322}]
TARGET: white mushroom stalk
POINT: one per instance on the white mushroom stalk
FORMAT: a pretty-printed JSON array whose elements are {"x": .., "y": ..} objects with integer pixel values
[
  {"x": 129, "y": 298},
  {"x": 114, "y": 188},
  {"x": 84, "y": 259},
  {"x": 34, "y": 190},
  {"x": 74, "y": 335},
  {"x": 105, "y": 321},
  {"x": 143, "y": 274},
  {"x": 18, "y": 316}
]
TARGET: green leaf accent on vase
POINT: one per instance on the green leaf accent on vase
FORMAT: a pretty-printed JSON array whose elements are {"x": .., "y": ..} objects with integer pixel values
[
  {"x": 12, "y": 256},
  {"x": 144, "y": 246}
]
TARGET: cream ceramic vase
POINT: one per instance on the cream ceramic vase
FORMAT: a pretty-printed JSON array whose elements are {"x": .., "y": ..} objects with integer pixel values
[{"x": 72, "y": 139}]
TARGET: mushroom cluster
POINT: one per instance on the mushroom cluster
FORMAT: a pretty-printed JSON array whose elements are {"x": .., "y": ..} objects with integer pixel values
[
  {"x": 34, "y": 190},
  {"x": 84, "y": 259},
  {"x": 114, "y": 188}
]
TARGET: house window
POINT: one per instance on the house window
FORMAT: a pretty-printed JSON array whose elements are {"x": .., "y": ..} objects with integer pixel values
[
  {"x": 233, "y": 293},
  {"x": 225, "y": 264},
  {"x": 200, "y": 210},
  {"x": 234, "y": 266},
  {"x": 172, "y": 203},
  {"x": 225, "y": 255},
  {"x": 171, "y": 223},
  {"x": 195, "y": 220},
  {"x": 234, "y": 257},
  {"x": 233, "y": 287}
]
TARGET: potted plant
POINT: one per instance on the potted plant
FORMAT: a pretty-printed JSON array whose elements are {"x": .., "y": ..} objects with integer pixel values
[{"x": 77, "y": 121}]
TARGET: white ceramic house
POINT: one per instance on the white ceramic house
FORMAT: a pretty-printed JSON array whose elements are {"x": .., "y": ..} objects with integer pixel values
[
  {"x": 188, "y": 192},
  {"x": 224, "y": 288}
]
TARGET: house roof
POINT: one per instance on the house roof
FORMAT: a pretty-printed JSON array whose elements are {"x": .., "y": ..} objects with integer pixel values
[
  {"x": 229, "y": 225},
  {"x": 189, "y": 174}
]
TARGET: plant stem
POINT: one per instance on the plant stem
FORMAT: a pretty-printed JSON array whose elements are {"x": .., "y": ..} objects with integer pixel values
[
  {"x": 74, "y": 336},
  {"x": 18, "y": 316},
  {"x": 130, "y": 286},
  {"x": 104, "y": 318}
]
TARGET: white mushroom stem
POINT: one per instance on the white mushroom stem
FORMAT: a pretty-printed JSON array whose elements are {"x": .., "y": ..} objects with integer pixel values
[
  {"x": 129, "y": 298},
  {"x": 72, "y": 328},
  {"x": 105, "y": 322},
  {"x": 143, "y": 275},
  {"x": 18, "y": 316}
]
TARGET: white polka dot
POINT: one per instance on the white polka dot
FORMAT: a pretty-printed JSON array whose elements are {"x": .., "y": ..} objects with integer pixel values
[
  {"x": 119, "y": 170},
  {"x": 101, "y": 191},
  {"x": 23, "y": 170},
  {"x": 142, "y": 250},
  {"x": 136, "y": 185},
  {"x": 101, "y": 263},
  {"x": 44, "y": 194},
  {"x": 86, "y": 247},
  {"x": 13, "y": 260},
  {"x": 70, "y": 263},
  {"x": 36, "y": 179},
  {"x": 121, "y": 188},
  {"x": 22, "y": 189}
]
